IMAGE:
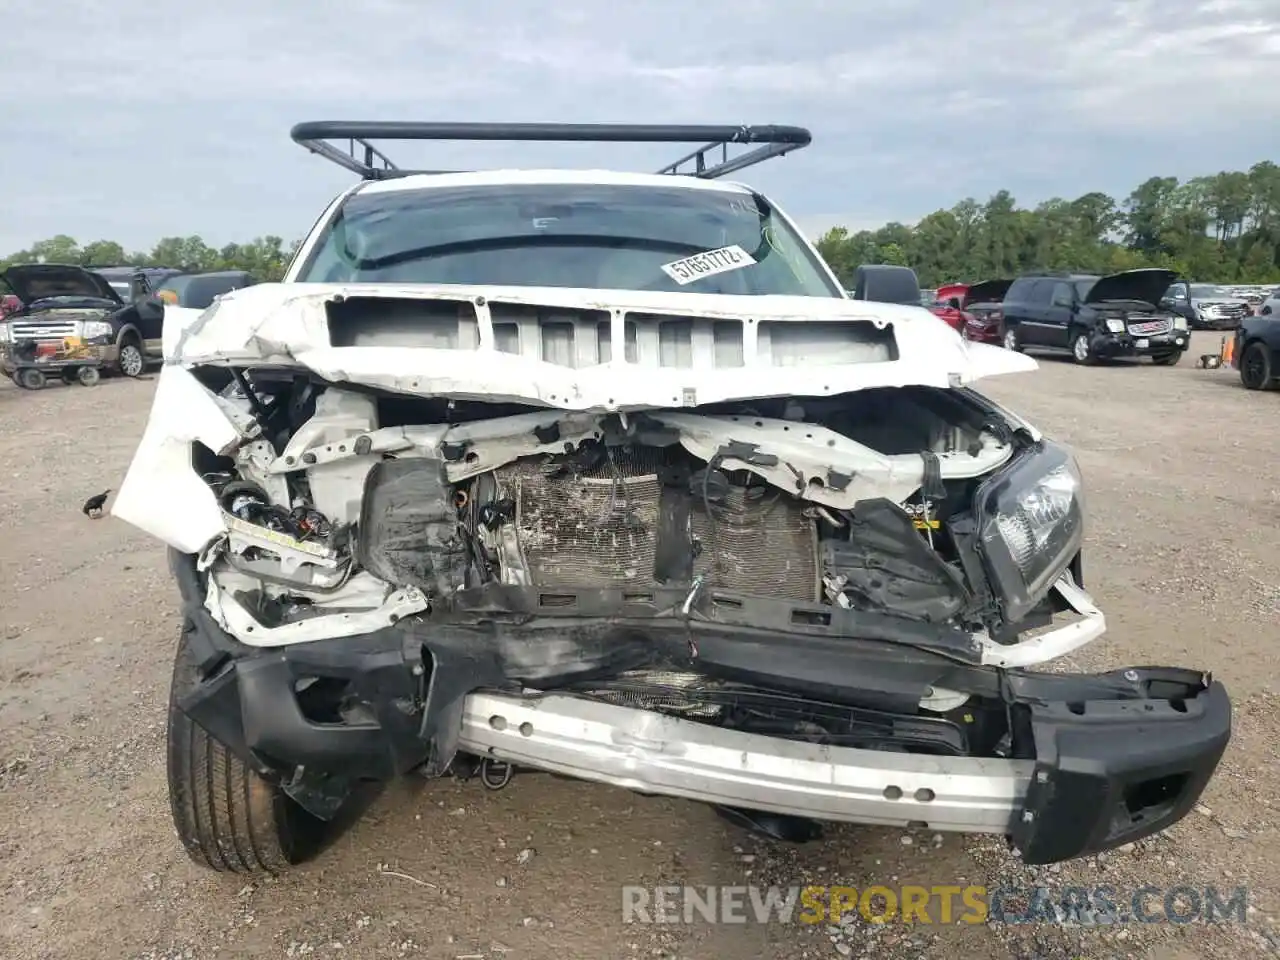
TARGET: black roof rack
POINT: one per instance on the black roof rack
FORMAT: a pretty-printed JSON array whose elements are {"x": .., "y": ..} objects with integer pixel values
[{"x": 361, "y": 157}]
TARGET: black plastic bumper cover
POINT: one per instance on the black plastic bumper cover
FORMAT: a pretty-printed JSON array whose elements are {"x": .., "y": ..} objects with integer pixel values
[
  {"x": 1110, "y": 772},
  {"x": 1106, "y": 344},
  {"x": 1119, "y": 755}
]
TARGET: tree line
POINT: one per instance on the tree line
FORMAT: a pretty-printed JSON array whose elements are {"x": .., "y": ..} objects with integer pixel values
[
  {"x": 264, "y": 257},
  {"x": 1223, "y": 228}
]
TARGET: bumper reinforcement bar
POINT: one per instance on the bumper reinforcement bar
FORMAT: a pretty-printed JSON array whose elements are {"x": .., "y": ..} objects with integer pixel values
[{"x": 649, "y": 752}]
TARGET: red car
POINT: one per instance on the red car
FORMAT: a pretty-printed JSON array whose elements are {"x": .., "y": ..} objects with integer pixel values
[
  {"x": 974, "y": 310},
  {"x": 949, "y": 303}
]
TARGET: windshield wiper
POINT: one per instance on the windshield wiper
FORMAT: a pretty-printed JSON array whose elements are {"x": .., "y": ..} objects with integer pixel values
[{"x": 477, "y": 244}]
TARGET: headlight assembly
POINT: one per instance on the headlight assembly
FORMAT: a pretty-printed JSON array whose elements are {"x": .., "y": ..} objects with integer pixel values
[
  {"x": 1179, "y": 322},
  {"x": 1115, "y": 325},
  {"x": 1031, "y": 525},
  {"x": 97, "y": 328}
]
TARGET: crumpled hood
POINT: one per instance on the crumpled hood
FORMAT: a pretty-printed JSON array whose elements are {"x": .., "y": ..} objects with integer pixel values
[{"x": 680, "y": 349}]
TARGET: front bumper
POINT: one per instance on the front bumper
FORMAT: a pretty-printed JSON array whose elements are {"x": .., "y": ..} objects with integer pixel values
[
  {"x": 984, "y": 331},
  {"x": 99, "y": 354},
  {"x": 1104, "y": 759},
  {"x": 1106, "y": 775},
  {"x": 1107, "y": 344}
]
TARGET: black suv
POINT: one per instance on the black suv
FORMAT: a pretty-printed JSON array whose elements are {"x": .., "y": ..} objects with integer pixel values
[{"x": 1095, "y": 318}]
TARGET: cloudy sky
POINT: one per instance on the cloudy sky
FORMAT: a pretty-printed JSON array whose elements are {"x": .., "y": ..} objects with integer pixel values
[{"x": 134, "y": 120}]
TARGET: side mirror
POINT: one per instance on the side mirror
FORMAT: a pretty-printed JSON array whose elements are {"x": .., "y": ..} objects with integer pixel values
[{"x": 1061, "y": 302}]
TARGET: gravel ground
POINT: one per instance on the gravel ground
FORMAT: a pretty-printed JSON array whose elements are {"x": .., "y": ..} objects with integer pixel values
[{"x": 1184, "y": 511}]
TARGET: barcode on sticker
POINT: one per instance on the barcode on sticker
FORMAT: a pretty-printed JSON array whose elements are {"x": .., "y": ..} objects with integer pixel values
[{"x": 707, "y": 264}]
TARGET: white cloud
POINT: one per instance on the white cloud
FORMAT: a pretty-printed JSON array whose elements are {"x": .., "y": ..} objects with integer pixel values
[{"x": 162, "y": 117}]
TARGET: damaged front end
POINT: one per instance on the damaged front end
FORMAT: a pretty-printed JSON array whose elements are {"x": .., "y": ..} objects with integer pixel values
[{"x": 813, "y": 605}]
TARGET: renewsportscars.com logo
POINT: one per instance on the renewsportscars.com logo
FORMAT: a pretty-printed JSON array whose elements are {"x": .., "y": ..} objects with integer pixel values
[{"x": 940, "y": 904}]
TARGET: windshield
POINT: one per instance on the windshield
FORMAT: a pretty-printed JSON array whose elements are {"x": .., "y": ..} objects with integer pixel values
[
  {"x": 1083, "y": 286},
  {"x": 1202, "y": 291},
  {"x": 568, "y": 235}
]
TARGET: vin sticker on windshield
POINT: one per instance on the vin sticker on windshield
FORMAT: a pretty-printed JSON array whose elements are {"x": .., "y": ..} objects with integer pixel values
[{"x": 707, "y": 264}]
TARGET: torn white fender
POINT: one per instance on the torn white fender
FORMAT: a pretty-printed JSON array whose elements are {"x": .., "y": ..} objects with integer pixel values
[
  {"x": 161, "y": 494},
  {"x": 176, "y": 321}
]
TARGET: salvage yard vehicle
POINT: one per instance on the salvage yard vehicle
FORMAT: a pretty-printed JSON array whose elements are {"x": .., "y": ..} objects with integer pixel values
[
  {"x": 974, "y": 309},
  {"x": 1095, "y": 318},
  {"x": 63, "y": 303},
  {"x": 1256, "y": 352},
  {"x": 602, "y": 474},
  {"x": 1271, "y": 305},
  {"x": 1205, "y": 306}
]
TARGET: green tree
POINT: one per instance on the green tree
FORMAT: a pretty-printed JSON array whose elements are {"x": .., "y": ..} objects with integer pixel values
[
  {"x": 1224, "y": 227},
  {"x": 1221, "y": 227}
]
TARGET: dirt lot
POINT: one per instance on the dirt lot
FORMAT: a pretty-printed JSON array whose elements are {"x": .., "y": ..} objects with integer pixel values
[{"x": 1184, "y": 506}]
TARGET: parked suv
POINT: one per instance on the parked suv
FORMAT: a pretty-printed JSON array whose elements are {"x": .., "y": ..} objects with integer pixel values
[
  {"x": 65, "y": 301},
  {"x": 1271, "y": 305},
  {"x": 1206, "y": 306},
  {"x": 1095, "y": 318}
]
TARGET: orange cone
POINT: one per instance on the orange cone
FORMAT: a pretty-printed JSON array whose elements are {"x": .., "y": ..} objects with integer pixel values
[{"x": 1228, "y": 348}]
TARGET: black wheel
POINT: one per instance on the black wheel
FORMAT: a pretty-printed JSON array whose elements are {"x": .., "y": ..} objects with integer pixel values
[
  {"x": 1081, "y": 352},
  {"x": 1012, "y": 339},
  {"x": 1256, "y": 369},
  {"x": 228, "y": 816},
  {"x": 88, "y": 376},
  {"x": 1168, "y": 360},
  {"x": 131, "y": 360},
  {"x": 30, "y": 379}
]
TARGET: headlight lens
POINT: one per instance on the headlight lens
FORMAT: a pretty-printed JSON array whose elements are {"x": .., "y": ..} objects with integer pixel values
[
  {"x": 1179, "y": 322},
  {"x": 1031, "y": 522},
  {"x": 4, "y": 333},
  {"x": 1115, "y": 325},
  {"x": 97, "y": 328}
]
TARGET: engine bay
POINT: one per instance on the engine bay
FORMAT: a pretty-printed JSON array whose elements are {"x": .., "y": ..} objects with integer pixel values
[{"x": 357, "y": 508}]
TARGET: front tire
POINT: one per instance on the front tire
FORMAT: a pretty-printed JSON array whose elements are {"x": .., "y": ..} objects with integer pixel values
[
  {"x": 1168, "y": 360},
  {"x": 1256, "y": 369},
  {"x": 1080, "y": 349},
  {"x": 228, "y": 817},
  {"x": 131, "y": 360}
]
